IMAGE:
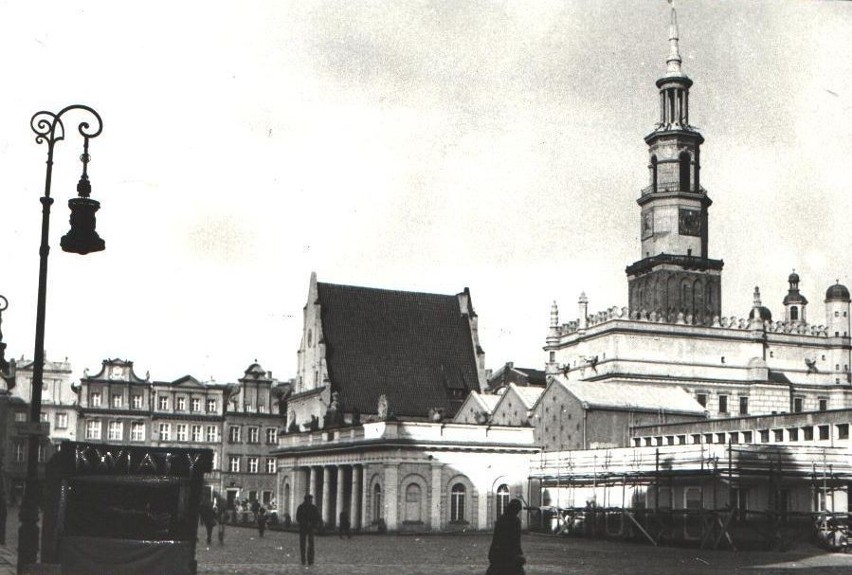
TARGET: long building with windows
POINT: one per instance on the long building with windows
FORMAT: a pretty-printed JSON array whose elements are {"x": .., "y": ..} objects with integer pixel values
[{"x": 239, "y": 422}]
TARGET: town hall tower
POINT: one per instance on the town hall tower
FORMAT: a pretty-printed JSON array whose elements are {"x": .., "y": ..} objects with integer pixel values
[{"x": 675, "y": 279}]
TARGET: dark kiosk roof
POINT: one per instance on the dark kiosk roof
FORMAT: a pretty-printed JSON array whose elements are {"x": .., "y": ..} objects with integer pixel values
[{"x": 416, "y": 348}]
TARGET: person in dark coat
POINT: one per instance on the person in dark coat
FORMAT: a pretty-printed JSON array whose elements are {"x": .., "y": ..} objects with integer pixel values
[
  {"x": 344, "y": 526},
  {"x": 208, "y": 519},
  {"x": 262, "y": 518},
  {"x": 308, "y": 518},
  {"x": 505, "y": 556}
]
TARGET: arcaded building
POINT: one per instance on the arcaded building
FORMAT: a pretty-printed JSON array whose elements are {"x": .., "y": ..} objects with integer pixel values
[{"x": 370, "y": 430}]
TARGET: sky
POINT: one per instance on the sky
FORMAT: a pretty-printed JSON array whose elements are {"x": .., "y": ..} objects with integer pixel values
[{"x": 413, "y": 145}]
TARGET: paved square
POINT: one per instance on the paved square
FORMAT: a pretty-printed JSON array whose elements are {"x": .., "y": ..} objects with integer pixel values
[{"x": 245, "y": 553}]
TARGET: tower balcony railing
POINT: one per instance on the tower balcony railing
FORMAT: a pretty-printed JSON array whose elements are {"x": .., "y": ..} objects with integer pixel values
[{"x": 672, "y": 186}]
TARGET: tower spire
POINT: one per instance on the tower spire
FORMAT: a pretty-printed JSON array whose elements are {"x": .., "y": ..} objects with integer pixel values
[{"x": 674, "y": 60}]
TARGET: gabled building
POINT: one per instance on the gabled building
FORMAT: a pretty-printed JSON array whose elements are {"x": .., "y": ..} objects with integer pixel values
[
  {"x": 252, "y": 425},
  {"x": 58, "y": 397},
  {"x": 515, "y": 405},
  {"x": 588, "y": 415},
  {"x": 418, "y": 353},
  {"x": 520, "y": 376},
  {"x": 381, "y": 375},
  {"x": 477, "y": 408}
]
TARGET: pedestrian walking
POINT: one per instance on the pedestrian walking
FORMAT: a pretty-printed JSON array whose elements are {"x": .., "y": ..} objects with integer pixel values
[
  {"x": 220, "y": 519},
  {"x": 505, "y": 556},
  {"x": 262, "y": 518},
  {"x": 343, "y": 525},
  {"x": 208, "y": 519},
  {"x": 308, "y": 519}
]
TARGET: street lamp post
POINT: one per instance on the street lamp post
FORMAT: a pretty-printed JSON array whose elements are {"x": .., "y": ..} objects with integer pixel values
[{"x": 82, "y": 239}]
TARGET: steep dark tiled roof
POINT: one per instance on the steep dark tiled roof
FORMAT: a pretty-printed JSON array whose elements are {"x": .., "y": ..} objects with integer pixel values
[
  {"x": 416, "y": 348},
  {"x": 534, "y": 376}
]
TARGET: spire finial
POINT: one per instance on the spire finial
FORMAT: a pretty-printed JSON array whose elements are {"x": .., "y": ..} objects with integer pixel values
[
  {"x": 674, "y": 59},
  {"x": 757, "y": 302}
]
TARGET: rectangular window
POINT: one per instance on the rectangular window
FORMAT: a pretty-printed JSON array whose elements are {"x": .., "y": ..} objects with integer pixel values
[
  {"x": 696, "y": 438},
  {"x": 137, "y": 431},
  {"x": 252, "y": 464},
  {"x": 808, "y": 433},
  {"x": 778, "y": 435},
  {"x": 136, "y": 401},
  {"x": 115, "y": 430},
  {"x": 181, "y": 432},
  {"x": 747, "y": 436},
  {"x": 823, "y": 404},
  {"x": 212, "y": 434},
  {"x": 96, "y": 399},
  {"x": 163, "y": 402},
  {"x": 211, "y": 406},
  {"x": 116, "y": 401},
  {"x": 743, "y": 405},
  {"x": 723, "y": 404},
  {"x": 823, "y": 432},
  {"x": 764, "y": 435},
  {"x": 181, "y": 404},
  {"x": 20, "y": 416},
  {"x": 254, "y": 435},
  {"x": 93, "y": 429},
  {"x": 234, "y": 434},
  {"x": 61, "y": 420},
  {"x": 702, "y": 399},
  {"x": 793, "y": 434},
  {"x": 234, "y": 464},
  {"x": 843, "y": 431},
  {"x": 271, "y": 435},
  {"x": 165, "y": 431},
  {"x": 270, "y": 465},
  {"x": 196, "y": 433},
  {"x": 798, "y": 404},
  {"x": 266, "y": 498},
  {"x": 195, "y": 404}
]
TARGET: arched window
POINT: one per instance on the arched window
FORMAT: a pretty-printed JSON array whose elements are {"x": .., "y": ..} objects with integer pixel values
[
  {"x": 457, "y": 502},
  {"x": 794, "y": 313},
  {"x": 377, "y": 502},
  {"x": 412, "y": 503},
  {"x": 502, "y": 499},
  {"x": 653, "y": 173},
  {"x": 683, "y": 161}
]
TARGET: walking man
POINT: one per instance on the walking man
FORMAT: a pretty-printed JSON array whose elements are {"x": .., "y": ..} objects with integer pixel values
[
  {"x": 262, "y": 518},
  {"x": 505, "y": 556},
  {"x": 308, "y": 518},
  {"x": 345, "y": 528},
  {"x": 208, "y": 519}
]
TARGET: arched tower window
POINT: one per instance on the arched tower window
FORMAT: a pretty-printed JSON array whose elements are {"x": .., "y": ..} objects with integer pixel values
[
  {"x": 457, "y": 494},
  {"x": 794, "y": 313},
  {"x": 654, "y": 173},
  {"x": 683, "y": 163},
  {"x": 502, "y": 499}
]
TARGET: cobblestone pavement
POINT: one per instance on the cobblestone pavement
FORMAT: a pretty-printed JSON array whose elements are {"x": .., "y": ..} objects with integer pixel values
[{"x": 278, "y": 553}]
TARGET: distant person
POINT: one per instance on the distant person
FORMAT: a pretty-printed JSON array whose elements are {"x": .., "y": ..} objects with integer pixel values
[
  {"x": 262, "y": 518},
  {"x": 505, "y": 556},
  {"x": 308, "y": 519},
  {"x": 220, "y": 518},
  {"x": 344, "y": 527},
  {"x": 208, "y": 519}
]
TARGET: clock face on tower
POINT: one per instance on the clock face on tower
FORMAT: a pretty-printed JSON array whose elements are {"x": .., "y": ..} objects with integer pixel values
[{"x": 689, "y": 222}]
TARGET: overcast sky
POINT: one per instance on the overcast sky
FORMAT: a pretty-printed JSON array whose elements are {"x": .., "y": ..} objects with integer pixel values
[{"x": 422, "y": 146}]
